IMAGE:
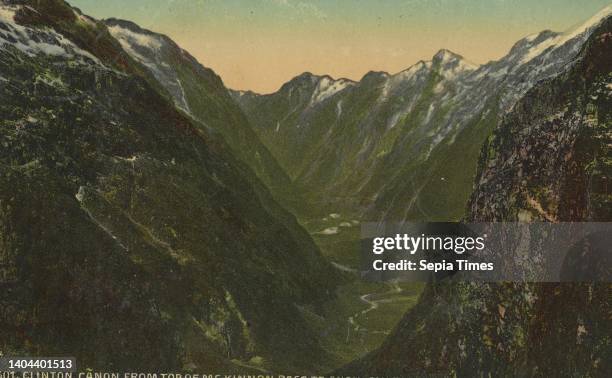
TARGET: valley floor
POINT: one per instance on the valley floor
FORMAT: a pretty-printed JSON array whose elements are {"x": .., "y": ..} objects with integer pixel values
[{"x": 364, "y": 312}]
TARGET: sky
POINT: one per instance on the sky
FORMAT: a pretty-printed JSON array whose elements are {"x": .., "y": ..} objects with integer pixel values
[{"x": 260, "y": 44}]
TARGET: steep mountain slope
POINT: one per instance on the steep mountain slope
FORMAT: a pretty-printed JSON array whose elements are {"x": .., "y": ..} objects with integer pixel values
[
  {"x": 549, "y": 160},
  {"x": 278, "y": 117},
  {"x": 200, "y": 93},
  {"x": 130, "y": 236},
  {"x": 402, "y": 146}
]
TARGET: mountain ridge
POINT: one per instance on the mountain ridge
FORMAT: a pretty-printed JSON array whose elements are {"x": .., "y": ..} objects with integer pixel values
[
  {"x": 190, "y": 85},
  {"x": 308, "y": 74},
  {"x": 135, "y": 197},
  {"x": 415, "y": 116}
]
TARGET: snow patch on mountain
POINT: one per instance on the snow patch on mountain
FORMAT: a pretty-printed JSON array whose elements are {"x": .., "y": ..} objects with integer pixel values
[
  {"x": 582, "y": 31},
  {"x": 182, "y": 101},
  {"x": 132, "y": 41},
  {"x": 464, "y": 65},
  {"x": 392, "y": 122},
  {"x": 339, "y": 109},
  {"x": 452, "y": 65},
  {"x": 430, "y": 112},
  {"x": 531, "y": 37},
  {"x": 33, "y": 42},
  {"x": 404, "y": 78},
  {"x": 445, "y": 56},
  {"x": 411, "y": 71},
  {"x": 328, "y": 87},
  {"x": 490, "y": 72},
  {"x": 146, "y": 48}
]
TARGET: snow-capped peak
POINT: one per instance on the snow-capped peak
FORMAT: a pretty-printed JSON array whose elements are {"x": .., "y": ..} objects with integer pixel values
[
  {"x": 446, "y": 56},
  {"x": 328, "y": 87},
  {"x": 452, "y": 64},
  {"x": 583, "y": 30},
  {"x": 412, "y": 70},
  {"x": 591, "y": 22}
]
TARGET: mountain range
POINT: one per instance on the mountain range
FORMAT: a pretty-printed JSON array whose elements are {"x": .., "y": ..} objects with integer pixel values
[
  {"x": 152, "y": 219},
  {"x": 402, "y": 146}
]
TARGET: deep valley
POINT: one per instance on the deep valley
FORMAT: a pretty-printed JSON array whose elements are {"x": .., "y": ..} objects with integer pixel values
[{"x": 152, "y": 219}]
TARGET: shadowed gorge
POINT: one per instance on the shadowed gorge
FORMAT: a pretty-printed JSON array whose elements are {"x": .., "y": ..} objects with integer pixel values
[{"x": 154, "y": 220}]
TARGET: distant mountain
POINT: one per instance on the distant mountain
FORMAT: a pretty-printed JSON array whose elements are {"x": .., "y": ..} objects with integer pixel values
[
  {"x": 549, "y": 160},
  {"x": 402, "y": 146},
  {"x": 131, "y": 237},
  {"x": 200, "y": 93},
  {"x": 142, "y": 204}
]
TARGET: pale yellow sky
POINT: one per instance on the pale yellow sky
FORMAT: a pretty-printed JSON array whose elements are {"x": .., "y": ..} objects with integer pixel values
[
  {"x": 264, "y": 63},
  {"x": 261, "y": 44}
]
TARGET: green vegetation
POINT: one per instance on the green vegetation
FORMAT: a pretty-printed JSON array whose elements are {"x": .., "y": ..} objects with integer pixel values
[
  {"x": 547, "y": 159},
  {"x": 143, "y": 221},
  {"x": 133, "y": 239},
  {"x": 364, "y": 313}
]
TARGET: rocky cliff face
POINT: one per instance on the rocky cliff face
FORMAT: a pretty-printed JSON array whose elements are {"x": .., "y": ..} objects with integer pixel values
[
  {"x": 554, "y": 149},
  {"x": 549, "y": 160},
  {"x": 403, "y": 146},
  {"x": 130, "y": 236}
]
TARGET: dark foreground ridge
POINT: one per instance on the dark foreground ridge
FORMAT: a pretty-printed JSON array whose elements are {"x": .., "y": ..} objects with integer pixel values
[{"x": 130, "y": 236}]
